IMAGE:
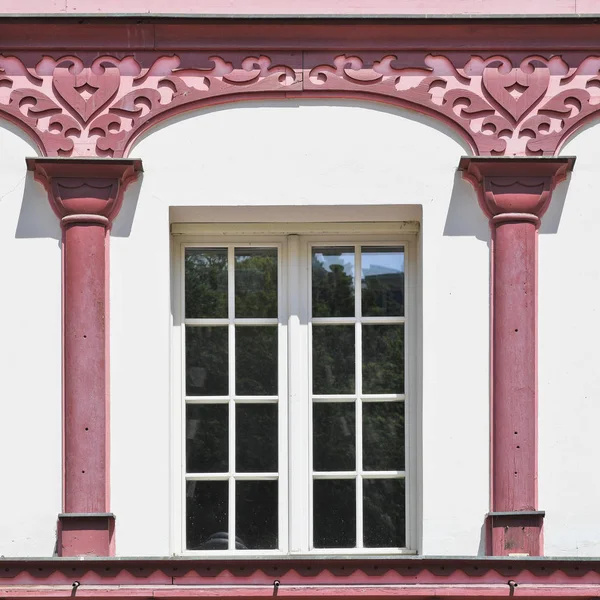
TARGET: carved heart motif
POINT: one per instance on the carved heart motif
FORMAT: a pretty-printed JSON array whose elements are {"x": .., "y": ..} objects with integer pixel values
[
  {"x": 527, "y": 88},
  {"x": 86, "y": 92}
]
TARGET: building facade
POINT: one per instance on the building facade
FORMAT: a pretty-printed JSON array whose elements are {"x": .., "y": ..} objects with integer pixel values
[{"x": 299, "y": 301}]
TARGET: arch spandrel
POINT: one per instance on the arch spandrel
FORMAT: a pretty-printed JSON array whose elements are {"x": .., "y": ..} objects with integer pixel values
[{"x": 97, "y": 105}]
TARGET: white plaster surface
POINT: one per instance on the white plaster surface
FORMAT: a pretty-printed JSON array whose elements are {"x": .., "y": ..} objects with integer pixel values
[
  {"x": 304, "y": 154},
  {"x": 569, "y": 377},
  {"x": 298, "y": 155},
  {"x": 30, "y": 362}
]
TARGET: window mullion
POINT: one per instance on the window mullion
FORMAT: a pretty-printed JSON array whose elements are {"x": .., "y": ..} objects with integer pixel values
[
  {"x": 358, "y": 408},
  {"x": 299, "y": 418},
  {"x": 231, "y": 331}
]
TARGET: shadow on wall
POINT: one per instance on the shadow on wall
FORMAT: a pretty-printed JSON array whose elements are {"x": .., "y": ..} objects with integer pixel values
[
  {"x": 37, "y": 220},
  {"x": 465, "y": 218}
]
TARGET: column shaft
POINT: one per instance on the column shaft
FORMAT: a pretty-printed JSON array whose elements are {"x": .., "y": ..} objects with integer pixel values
[
  {"x": 85, "y": 369},
  {"x": 514, "y": 367}
]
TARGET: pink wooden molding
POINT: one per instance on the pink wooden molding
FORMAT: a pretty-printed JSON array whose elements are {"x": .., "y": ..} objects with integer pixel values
[
  {"x": 408, "y": 576},
  {"x": 97, "y": 101},
  {"x": 86, "y": 195},
  {"x": 514, "y": 193}
]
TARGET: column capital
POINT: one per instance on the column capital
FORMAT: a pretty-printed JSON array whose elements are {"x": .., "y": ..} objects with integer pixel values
[
  {"x": 515, "y": 189},
  {"x": 85, "y": 189}
]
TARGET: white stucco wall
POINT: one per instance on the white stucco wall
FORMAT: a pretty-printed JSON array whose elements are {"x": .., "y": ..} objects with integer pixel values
[
  {"x": 569, "y": 378},
  {"x": 304, "y": 154},
  {"x": 30, "y": 362}
]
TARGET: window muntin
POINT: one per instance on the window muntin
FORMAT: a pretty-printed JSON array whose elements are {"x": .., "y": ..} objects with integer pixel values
[
  {"x": 232, "y": 319},
  {"x": 357, "y": 397},
  {"x": 381, "y": 478}
]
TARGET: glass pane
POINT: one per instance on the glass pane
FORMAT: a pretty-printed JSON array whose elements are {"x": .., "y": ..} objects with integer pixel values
[
  {"x": 383, "y": 359},
  {"x": 206, "y": 361},
  {"x": 333, "y": 282},
  {"x": 207, "y": 427},
  {"x": 333, "y": 359},
  {"x": 334, "y": 513},
  {"x": 206, "y": 503},
  {"x": 333, "y": 436},
  {"x": 206, "y": 283},
  {"x": 256, "y": 282},
  {"x": 256, "y": 361},
  {"x": 256, "y": 514},
  {"x": 382, "y": 282},
  {"x": 383, "y": 436},
  {"x": 383, "y": 513},
  {"x": 256, "y": 438}
]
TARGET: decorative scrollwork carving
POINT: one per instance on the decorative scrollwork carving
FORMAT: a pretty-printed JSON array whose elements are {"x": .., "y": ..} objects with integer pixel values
[{"x": 97, "y": 108}]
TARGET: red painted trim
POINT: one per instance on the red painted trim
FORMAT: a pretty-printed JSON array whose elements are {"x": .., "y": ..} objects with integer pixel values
[
  {"x": 143, "y": 74},
  {"x": 86, "y": 194},
  {"x": 514, "y": 194},
  {"x": 410, "y": 576}
]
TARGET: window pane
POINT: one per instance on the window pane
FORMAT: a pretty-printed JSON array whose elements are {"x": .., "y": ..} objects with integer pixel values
[
  {"x": 256, "y": 438},
  {"x": 382, "y": 282},
  {"x": 333, "y": 359},
  {"x": 206, "y": 283},
  {"x": 383, "y": 436},
  {"x": 206, "y": 361},
  {"x": 206, "y": 503},
  {"x": 256, "y": 514},
  {"x": 333, "y": 436},
  {"x": 256, "y": 282},
  {"x": 256, "y": 361},
  {"x": 383, "y": 359},
  {"x": 333, "y": 282},
  {"x": 334, "y": 513},
  {"x": 383, "y": 513},
  {"x": 207, "y": 427}
]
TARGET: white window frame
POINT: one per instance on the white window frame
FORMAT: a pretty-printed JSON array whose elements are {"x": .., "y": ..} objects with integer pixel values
[{"x": 295, "y": 405}]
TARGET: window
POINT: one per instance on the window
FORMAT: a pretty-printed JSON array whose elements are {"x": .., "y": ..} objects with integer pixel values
[{"x": 294, "y": 393}]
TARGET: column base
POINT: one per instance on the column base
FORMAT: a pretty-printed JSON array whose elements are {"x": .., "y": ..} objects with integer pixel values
[
  {"x": 514, "y": 533},
  {"x": 86, "y": 534}
]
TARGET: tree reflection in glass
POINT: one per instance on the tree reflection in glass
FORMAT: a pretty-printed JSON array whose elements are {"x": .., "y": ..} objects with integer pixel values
[
  {"x": 256, "y": 282},
  {"x": 333, "y": 282},
  {"x": 334, "y": 436},
  {"x": 256, "y": 438},
  {"x": 206, "y": 361},
  {"x": 256, "y": 360},
  {"x": 334, "y": 513},
  {"x": 382, "y": 281},
  {"x": 207, "y": 436},
  {"x": 333, "y": 359},
  {"x": 256, "y": 514},
  {"x": 206, "y": 510},
  {"x": 383, "y": 359},
  {"x": 383, "y": 436},
  {"x": 206, "y": 283},
  {"x": 384, "y": 513}
]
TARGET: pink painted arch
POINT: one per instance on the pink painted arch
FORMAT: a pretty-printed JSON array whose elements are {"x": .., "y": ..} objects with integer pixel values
[{"x": 96, "y": 98}]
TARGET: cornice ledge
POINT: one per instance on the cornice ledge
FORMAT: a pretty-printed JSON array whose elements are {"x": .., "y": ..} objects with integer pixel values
[
  {"x": 86, "y": 190},
  {"x": 299, "y": 571},
  {"x": 515, "y": 188}
]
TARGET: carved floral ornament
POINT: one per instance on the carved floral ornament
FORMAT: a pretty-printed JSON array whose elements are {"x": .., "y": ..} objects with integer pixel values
[{"x": 73, "y": 107}]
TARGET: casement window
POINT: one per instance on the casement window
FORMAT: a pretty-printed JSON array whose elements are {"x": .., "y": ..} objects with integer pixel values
[{"x": 295, "y": 393}]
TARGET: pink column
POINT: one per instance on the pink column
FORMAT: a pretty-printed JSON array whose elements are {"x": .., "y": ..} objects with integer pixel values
[
  {"x": 514, "y": 193},
  {"x": 86, "y": 195}
]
